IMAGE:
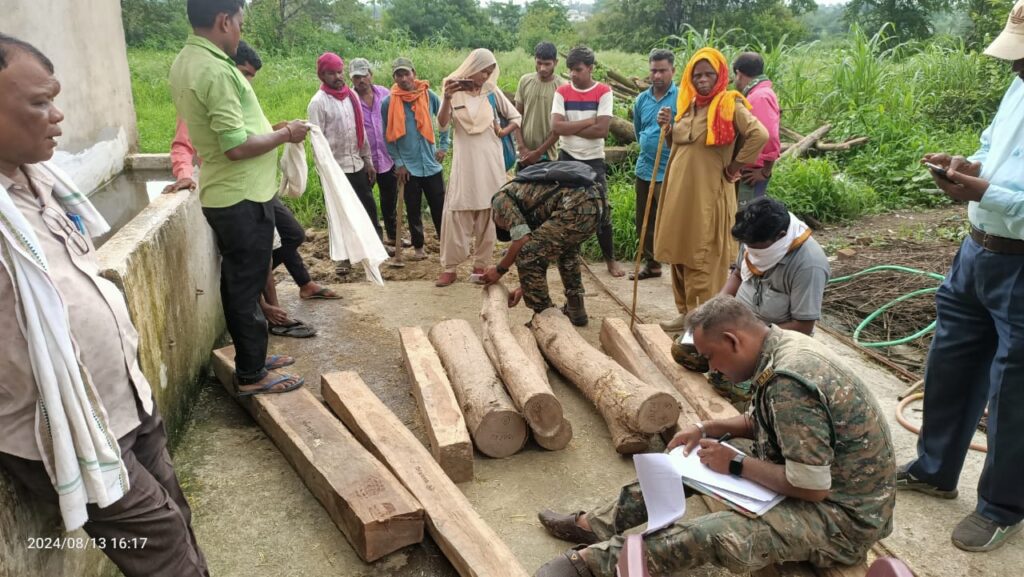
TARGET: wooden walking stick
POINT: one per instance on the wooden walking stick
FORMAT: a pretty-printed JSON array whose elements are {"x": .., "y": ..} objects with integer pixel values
[
  {"x": 396, "y": 261},
  {"x": 643, "y": 228}
]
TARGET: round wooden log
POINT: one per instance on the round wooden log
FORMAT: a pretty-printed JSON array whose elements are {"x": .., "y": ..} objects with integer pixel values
[
  {"x": 497, "y": 428},
  {"x": 559, "y": 440},
  {"x": 524, "y": 336},
  {"x": 528, "y": 388},
  {"x": 616, "y": 393},
  {"x": 622, "y": 130}
]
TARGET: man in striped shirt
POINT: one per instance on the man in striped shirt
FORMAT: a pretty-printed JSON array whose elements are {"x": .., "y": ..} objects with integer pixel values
[{"x": 580, "y": 115}]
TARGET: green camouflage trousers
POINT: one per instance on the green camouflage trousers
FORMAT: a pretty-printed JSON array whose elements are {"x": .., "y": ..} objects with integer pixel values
[
  {"x": 792, "y": 531},
  {"x": 557, "y": 239}
]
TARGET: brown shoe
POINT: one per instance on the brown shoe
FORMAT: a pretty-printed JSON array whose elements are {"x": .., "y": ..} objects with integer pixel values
[
  {"x": 564, "y": 527},
  {"x": 568, "y": 564},
  {"x": 445, "y": 279}
]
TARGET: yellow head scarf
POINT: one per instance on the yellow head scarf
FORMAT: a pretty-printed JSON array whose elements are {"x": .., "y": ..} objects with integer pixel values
[{"x": 722, "y": 108}]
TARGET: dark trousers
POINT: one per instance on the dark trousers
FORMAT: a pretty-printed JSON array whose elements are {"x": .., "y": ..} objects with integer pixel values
[
  {"x": 433, "y": 188},
  {"x": 642, "y": 188},
  {"x": 364, "y": 191},
  {"x": 387, "y": 186},
  {"x": 604, "y": 228},
  {"x": 245, "y": 238},
  {"x": 977, "y": 357},
  {"x": 292, "y": 235},
  {"x": 154, "y": 509}
]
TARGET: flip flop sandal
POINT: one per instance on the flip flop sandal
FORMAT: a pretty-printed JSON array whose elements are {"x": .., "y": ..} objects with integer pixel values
[
  {"x": 297, "y": 329},
  {"x": 324, "y": 293},
  {"x": 275, "y": 362},
  {"x": 267, "y": 389},
  {"x": 646, "y": 273}
]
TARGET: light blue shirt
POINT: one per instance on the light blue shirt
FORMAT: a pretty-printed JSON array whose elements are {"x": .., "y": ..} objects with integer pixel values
[
  {"x": 645, "y": 123},
  {"x": 1001, "y": 210},
  {"x": 413, "y": 151}
]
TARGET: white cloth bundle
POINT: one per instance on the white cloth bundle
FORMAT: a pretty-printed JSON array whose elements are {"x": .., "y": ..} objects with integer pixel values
[
  {"x": 351, "y": 232},
  {"x": 294, "y": 172}
]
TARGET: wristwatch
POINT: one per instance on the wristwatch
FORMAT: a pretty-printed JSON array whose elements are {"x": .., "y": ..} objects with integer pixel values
[
  {"x": 736, "y": 465},
  {"x": 501, "y": 269}
]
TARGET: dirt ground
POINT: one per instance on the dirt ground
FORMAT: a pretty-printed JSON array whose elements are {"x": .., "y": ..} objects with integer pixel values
[{"x": 254, "y": 517}]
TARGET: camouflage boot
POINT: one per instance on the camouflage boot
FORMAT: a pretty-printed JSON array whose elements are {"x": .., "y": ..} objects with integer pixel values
[{"x": 575, "y": 310}]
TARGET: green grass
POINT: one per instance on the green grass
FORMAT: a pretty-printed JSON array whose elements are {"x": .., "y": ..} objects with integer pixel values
[{"x": 909, "y": 99}]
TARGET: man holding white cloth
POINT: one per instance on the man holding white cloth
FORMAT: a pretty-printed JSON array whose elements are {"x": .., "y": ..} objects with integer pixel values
[{"x": 78, "y": 426}]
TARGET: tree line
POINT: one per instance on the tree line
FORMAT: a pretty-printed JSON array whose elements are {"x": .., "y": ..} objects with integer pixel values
[{"x": 287, "y": 26}]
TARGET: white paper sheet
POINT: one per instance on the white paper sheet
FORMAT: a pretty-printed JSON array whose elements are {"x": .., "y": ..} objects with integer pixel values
[
  {"x": 662, "y": 488},
  {"x": 690, "y": 467}
]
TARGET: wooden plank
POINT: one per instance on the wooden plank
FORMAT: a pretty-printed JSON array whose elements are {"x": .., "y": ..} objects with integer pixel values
[
  {"x": 446, "y": 426},
  {"x": 375, "y": 512},
  {"x": 694, "y": 387},
  {"x": 473, "y": 548}
]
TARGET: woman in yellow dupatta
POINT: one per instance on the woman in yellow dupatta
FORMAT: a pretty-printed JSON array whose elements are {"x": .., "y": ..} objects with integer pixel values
[{"x": 713, "y": 135}]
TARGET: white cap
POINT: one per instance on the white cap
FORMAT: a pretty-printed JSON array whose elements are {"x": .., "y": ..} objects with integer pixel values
[{"x": 1009, "y": 45}]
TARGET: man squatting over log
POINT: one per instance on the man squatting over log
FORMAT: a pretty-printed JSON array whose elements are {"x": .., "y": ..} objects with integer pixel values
[
  {"x": 547, "y": 219},
  {"x": 819, "y": 438}
]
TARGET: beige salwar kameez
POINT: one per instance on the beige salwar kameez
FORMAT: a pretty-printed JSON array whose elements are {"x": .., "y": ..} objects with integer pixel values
[{"x": 698, "y": 205}]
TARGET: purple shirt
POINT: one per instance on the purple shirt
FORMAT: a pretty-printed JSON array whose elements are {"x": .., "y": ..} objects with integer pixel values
[{"x": 374, "y": 125}]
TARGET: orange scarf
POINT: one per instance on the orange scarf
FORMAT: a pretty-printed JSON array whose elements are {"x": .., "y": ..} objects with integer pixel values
[
  {"x": 420, "y": 101},
  {"x": 721, "y": 103}
]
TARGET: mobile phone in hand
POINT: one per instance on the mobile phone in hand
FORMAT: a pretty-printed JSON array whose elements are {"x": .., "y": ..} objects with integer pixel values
[{"x": 938, "y": 171}]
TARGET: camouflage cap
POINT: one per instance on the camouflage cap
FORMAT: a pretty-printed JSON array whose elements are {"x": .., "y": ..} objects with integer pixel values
[{"x": 402, "y": 63}]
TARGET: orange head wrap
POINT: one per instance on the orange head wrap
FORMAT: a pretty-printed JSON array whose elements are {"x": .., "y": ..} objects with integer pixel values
[{"x": 721, "y": 103}]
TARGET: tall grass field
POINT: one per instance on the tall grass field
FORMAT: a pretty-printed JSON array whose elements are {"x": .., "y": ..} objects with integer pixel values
[{"x": 908, "y": 99}]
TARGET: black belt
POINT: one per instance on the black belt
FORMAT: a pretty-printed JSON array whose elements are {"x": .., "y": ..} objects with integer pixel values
[{"x": 997, "y": 244}]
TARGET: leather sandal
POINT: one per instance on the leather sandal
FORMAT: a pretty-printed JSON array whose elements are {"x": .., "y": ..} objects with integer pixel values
[
  {"x": 564, "y": 527},
  {"x": 568, "y": 564}
]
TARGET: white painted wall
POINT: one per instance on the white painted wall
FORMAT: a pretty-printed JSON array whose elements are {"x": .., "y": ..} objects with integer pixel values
[{"x": 85, "y": 41}]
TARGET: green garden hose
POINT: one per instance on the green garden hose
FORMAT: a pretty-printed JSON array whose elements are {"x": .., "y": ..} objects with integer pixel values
[{"x": 892, "y": 303}]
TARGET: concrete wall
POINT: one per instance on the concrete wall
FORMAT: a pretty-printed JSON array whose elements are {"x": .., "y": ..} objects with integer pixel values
[
  {"x": 85, "y": 41},
  {"x": 165, "y": 262}
]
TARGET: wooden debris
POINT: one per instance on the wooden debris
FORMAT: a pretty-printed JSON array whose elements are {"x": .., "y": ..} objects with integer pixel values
[
  {"x": 846, "y": 253},
  {"x": 798, "y": 149},
  {"x": 620, "y": 397},
  {"x": 446, "y": 427},
  {"x": 622, "y": 130},
  {"x": 497, "y": 428},
  {"x": 375, "y": 512},
  {"x": 472, "y": 547}
]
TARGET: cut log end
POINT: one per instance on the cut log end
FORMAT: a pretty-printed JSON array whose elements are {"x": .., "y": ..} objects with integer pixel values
[
  {"x": 657, "y": 413},
  {"x": 544, "y": 413},
  {"x": 559, "y": 440},
  {"x": 500, "y": 434}
]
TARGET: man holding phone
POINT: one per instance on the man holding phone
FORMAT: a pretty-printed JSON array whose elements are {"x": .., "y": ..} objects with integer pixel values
[{"x": 977, "y": 355}]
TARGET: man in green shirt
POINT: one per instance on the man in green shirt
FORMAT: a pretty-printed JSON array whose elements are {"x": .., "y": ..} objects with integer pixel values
[
  {"x": 534, "y": 95},
  {"x": 238, "y": 179}
]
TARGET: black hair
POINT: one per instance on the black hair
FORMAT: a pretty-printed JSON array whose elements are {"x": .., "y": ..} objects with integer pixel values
[
  {"x": 245, "y": 54},
  {"x": 660, "y": 54},
  {"x": 545, "y": 51},
  {"x": 749, "y": 63},
  {"x": 10, "y": 45},
  {"x": 761, "y": 220},
  {"x": 203, "y": 13},
  {"x": 580, "y": 55}
]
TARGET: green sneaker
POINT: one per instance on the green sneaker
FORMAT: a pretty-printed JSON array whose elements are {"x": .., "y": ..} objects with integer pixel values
[
  {"x": 977, "y": 533},
  {"x": 907, "y": 482}
]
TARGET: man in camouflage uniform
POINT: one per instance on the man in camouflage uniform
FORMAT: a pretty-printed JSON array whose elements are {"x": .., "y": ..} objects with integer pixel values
[
  {"x": 545, "y": 221},
  {"x": 818, "y": 437}
]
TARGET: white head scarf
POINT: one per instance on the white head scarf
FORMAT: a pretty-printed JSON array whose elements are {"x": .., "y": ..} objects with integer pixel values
[{"x": 483, "y": 119}]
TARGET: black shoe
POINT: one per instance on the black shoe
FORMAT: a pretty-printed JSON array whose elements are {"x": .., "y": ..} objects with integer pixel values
[
  {"x": 564, "y": 527},
  {"x": 907, "y": 482},
  {"x": 575, "y": 310},
  {"x": 568, "y": 564}
]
